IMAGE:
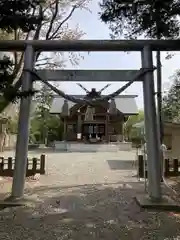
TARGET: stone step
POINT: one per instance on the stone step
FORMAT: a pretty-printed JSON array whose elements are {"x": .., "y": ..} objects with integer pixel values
[{"x": 80, "y": 147}]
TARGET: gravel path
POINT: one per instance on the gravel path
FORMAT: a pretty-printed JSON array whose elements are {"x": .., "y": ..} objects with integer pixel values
[{"x": 86, "y": 196}]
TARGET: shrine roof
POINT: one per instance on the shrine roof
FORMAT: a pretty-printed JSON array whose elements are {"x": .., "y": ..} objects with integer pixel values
[{"x": 124, "y": 103}]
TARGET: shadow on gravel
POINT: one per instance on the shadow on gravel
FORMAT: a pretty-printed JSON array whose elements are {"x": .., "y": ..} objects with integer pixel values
[{"x": 87, "y": 212}]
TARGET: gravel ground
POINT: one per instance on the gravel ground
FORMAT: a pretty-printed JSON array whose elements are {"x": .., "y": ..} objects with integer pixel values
[{"x": 86, "y": 196}]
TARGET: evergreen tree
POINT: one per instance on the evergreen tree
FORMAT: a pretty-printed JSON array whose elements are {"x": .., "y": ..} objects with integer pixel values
[
  {"x": 129, "y": 130},
  {"x": 150, "y": 18},
  {"x": 171, "y": 100},
  {"x": 41, "y": 19},
  {"x": 155, "y": 19},
  {"x": 15, "y": 15},
  {"x": 44, "y": 125}
]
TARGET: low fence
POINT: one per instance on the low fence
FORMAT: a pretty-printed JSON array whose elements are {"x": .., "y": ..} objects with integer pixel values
[
  {"x": 171, "y": 167},
  {"x": 34, "y": 166}
]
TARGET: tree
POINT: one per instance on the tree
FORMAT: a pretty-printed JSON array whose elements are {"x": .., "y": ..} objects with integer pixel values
[
  {"x": 156, "y": 19},
  {"x": 14, "y": 15},
  {"x": 150, "y": 18},
  {"x": 129, "y": 131},
  {"x": 42, "y": 115},
  {"x": 12, "y": 125},
  {"x": 171, "y": 100},
  {"x": 52, "y": 25},
  {"x": 43, "y": 124},
  {"x": 26, "y": 19},
  {"x": 19, "y": 15}
]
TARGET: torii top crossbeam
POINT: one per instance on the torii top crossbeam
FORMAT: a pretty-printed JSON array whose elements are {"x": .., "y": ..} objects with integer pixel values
[{"x": 90, "y": 45}]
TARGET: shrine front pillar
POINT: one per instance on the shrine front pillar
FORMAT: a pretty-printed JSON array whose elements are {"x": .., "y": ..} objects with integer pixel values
[
  {"x": 123, "y": 131},
  {"x": 107, "y": 128},
  {"x": 79, "y": 126},
  {"x": 65, "y": 129}
]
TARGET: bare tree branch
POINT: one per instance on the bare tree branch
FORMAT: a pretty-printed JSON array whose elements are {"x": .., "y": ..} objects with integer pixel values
[
  {"x": 64, "y": 21},
  {"x": 43, "y": 59},
  {"x": 53, "y": 19},
  {"x": 38, "y": 29},
  {"x": 54, "y": 25},
  {"x": 50, "y": 64}
]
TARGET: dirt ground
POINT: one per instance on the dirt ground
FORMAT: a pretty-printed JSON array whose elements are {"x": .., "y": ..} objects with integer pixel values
[{"x": 86, "y": 196}]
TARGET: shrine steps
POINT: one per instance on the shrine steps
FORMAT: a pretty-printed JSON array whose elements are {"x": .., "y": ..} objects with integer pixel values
[{"x": 81, "y": 147}]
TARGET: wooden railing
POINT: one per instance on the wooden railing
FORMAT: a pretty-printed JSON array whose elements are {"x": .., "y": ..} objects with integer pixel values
[
  {"x": 34, "y": 166},
  {"x": 171, "y": 167}
]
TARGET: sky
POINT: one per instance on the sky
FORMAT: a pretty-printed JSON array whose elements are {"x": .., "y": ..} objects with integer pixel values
[{"x": 90, "y": 23}]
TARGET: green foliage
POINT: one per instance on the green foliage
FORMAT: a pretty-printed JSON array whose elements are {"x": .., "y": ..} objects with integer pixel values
[
  {"x": 12, "y": 125},
  {"x": 6, "y": 79},
  {"x": 150, "y": 18},
  {"x": 18, "y": 14},
  {"x": 130, "y": 131},
  {"x": 14, "y": 15},
  {"x": 171, "y": 100},
  {"x": 45, "y": 126},
  {"x": 38, "y": 19}
]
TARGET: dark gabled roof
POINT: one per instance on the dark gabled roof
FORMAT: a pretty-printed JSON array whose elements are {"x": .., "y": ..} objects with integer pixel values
[{"x": 124, "y": 103}]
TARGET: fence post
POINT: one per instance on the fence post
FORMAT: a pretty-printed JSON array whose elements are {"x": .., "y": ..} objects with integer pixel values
[
  {"x": 140, "y": 166},
  {"x": 34, "y": 165},
  {"x": 166, "y": 172},
  {"x": 175, "y": 166},
  {"x": 1, "y": 166},
  {"x": 9, "y": 163},
  {"x": 42, "y": 164},
  {"x": 10, "y": 170},
  {"x": 27, "y": 168}
]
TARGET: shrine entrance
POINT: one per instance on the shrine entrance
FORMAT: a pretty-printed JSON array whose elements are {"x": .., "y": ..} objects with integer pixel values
[
  {"x": 93, "y": 132},
  {"x": 145, "y": 75}
]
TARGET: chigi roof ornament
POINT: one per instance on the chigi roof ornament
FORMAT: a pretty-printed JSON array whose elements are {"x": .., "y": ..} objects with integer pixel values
[
  {"x": 65, "y": 108},
  {"x": 112, "y": 107}
]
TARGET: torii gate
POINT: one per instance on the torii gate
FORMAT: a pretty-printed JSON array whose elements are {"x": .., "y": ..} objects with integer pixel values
[{"x": 152, "y": 132}]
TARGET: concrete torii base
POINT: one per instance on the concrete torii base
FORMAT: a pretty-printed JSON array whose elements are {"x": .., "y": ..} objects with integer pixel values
[{"x": 165, "y": 204}]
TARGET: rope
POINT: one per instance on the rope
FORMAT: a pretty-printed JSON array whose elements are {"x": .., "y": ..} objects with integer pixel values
[{"x": 94, "y": 101}]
